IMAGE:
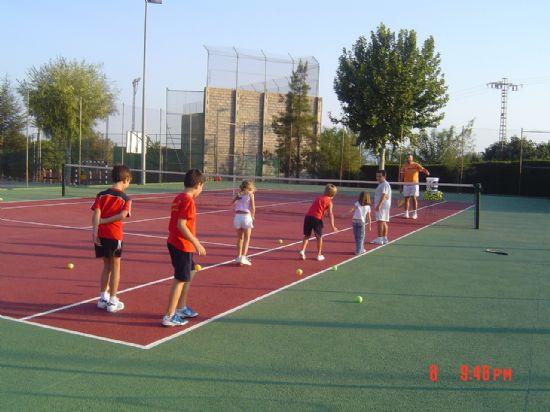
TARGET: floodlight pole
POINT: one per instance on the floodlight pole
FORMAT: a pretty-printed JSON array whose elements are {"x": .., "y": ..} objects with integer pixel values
[
  {"x": 27, "y": 143},
  {"x": 79, "y": 138},
  {"x": 143, "y": 137}
]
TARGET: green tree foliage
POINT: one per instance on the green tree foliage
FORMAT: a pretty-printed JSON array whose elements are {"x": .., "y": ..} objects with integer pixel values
[
  {"x": 55, "y": 90},
  {"x": 12, "y": 123},
  {"x": 296, "y": 144},
  {"x": 389, "y": 86},
  {"x": 512, "y": 149},
  {"x": 339, "y": 156}
]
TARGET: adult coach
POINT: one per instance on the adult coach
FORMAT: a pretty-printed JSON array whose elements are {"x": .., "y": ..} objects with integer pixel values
[{"x": 409, "y": 176}]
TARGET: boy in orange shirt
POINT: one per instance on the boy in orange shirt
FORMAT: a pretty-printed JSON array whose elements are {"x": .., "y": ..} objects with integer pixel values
[
  {"x": 181, "y": 243},
  {"x": 110, "y": 207},
  {"x": 313, "y": 220}
]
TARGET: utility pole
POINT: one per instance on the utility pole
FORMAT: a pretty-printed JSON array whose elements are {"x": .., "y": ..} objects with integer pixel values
[{"x": 504, "y": 86}]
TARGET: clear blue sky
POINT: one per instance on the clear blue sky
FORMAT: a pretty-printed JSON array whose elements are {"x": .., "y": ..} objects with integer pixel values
[{"x": 479, "y": 42}]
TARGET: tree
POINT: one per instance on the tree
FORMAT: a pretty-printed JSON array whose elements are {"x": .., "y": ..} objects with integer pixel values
[
  {"x": 296, "y": 143},
  {"x": 55, "y": 91},
  {"x": 12, "y": 123},
  {"x": 388, "y": 86},
  {"x": 339, "y": 156},
  {"x": 447, "y": 147},
  {"x": 511, "y": 150}
]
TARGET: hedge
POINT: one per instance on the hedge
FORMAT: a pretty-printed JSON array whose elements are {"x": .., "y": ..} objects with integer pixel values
[{"x": 501, "y": 178}]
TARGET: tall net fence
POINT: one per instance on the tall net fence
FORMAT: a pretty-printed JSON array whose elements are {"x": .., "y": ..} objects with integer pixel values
[
  {"x": 258, "y": 71},
  {"x": 185, "y": 129}
]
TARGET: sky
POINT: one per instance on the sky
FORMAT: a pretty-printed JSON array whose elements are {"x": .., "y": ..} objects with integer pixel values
[{"x": 479, "y": 42}]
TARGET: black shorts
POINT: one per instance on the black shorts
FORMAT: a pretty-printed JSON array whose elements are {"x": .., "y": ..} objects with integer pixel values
[
  {"x": 182, "y": 262},
  {"x": 310, "y": 223},
  {"x": 109, "y": 248}
]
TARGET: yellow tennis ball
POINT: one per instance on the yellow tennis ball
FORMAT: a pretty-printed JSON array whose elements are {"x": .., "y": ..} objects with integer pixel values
[
  {"x": 299, "y": 272},
  {"x": 359, "y": 299},
  {"x": 198, "y": 267},
  {"x": 280, "y": 241},
  {"x": 70, "y": 266},
  {"x": 1, "y": 200}
]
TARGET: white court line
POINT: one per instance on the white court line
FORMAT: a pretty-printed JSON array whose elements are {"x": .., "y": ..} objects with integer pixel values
[
  {"x": 45, "y": 224},
  {"x": 160, "y": 341},
  {"x": 259, "y": 298},
  {"x": 74, "y": 332},
  {"x": 61, "y": 308},
  {"x": 134, "y": 197}
]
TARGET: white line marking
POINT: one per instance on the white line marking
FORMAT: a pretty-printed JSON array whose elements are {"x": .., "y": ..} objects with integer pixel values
[
  {"x": 73, "y": 332},
  {"x": 46, "y": 224},
  {"x": 235, "y": 309},
  {"x": 156, "y": 343},
  {"x": 61, "y": 308}
]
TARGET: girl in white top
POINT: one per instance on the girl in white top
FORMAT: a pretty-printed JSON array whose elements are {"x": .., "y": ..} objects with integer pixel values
[
  {"x": 244, "y": 216},
  {"x": 361, "y": 216}
]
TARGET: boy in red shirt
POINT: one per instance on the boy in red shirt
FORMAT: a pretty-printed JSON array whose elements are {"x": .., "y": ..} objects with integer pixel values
[
  {"x": 182, "y": 242},
  {"x": 110, "y": 207},
  {"x": 314, "y": 220}
]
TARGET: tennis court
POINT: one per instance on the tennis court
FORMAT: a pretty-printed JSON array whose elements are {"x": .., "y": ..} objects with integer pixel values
[{"x": 266, "y": 339}]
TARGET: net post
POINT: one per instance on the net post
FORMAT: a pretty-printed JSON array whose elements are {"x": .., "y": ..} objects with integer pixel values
[
  {"x": 477, "y": 191},
  {"x": 63, "y": 190}
]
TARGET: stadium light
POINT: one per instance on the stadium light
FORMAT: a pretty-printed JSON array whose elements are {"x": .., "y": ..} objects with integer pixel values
[{"x": 143, "y": 136}]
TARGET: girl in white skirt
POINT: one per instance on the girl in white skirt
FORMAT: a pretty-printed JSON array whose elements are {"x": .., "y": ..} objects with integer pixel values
[{"x": 243, "y": 220}]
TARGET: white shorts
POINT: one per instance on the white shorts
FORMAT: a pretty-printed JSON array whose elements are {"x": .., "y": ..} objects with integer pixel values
[
  {"x": 243, "y": 221},
  {"x": 383, "y": 214},
  {"x": 411, "y": 190}
]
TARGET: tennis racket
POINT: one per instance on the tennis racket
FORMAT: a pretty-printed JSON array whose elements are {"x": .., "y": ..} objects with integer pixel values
[{"x": 496, "y": 252}]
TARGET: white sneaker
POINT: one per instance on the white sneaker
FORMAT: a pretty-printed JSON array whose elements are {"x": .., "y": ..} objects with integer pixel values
[
  {"x": 320, "y": 258},
  {"x": 114, "y": 306},
  {"x": 377, "y": 241},
  {"x": 302, "y": 255},
  {"x": 414, "y": 216},
  {"x": 385, "y": 241},
  {"x": 245, "y": 261},
  {"x": 238, "y": 259},
  {"x": 102, "y": 303},
  {"x": 406, "y": 215}
]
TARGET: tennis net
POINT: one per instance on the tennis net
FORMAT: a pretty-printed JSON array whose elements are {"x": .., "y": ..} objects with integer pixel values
[{"x": 287, "y": 195}]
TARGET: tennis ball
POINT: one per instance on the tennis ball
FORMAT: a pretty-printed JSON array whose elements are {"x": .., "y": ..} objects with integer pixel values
[
  {"x": 198, "y": 267},
  {"x": 359, "y": 299},
  {"x": 299, "y": 272},
  {"x": 335, "y": 268},
  {"x": 1, "y": 200},
  {"x": 70, "y": 266},
  {"x": 280, "y": 241}
]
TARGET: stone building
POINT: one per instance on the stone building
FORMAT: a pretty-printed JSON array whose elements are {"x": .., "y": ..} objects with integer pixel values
[{"x": 234, "y": 133}]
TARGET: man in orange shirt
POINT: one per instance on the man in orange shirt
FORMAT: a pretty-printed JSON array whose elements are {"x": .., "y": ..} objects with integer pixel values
[
  {"x": 409, "y": 176},
  {"x": 182, "y": 242}
]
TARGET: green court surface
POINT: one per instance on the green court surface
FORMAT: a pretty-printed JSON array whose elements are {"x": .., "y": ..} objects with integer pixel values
[{"x": 434, "y": 297}]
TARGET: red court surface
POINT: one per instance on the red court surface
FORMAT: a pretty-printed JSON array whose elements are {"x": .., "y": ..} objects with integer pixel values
[{"x": 40, "y": 238}]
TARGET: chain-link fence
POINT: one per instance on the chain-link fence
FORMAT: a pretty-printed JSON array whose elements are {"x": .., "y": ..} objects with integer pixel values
[{"x": 234, "y": 68}]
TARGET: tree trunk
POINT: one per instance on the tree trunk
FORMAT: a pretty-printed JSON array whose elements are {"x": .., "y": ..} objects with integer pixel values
[
  {"x": 298, "y": 154},
  {"x": 382, "y": 163}
]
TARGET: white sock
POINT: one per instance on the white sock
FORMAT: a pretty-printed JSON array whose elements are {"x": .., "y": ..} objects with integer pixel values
[
  {"x": 104, "y": 295},
  {"x": 113, "y": 299}
]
